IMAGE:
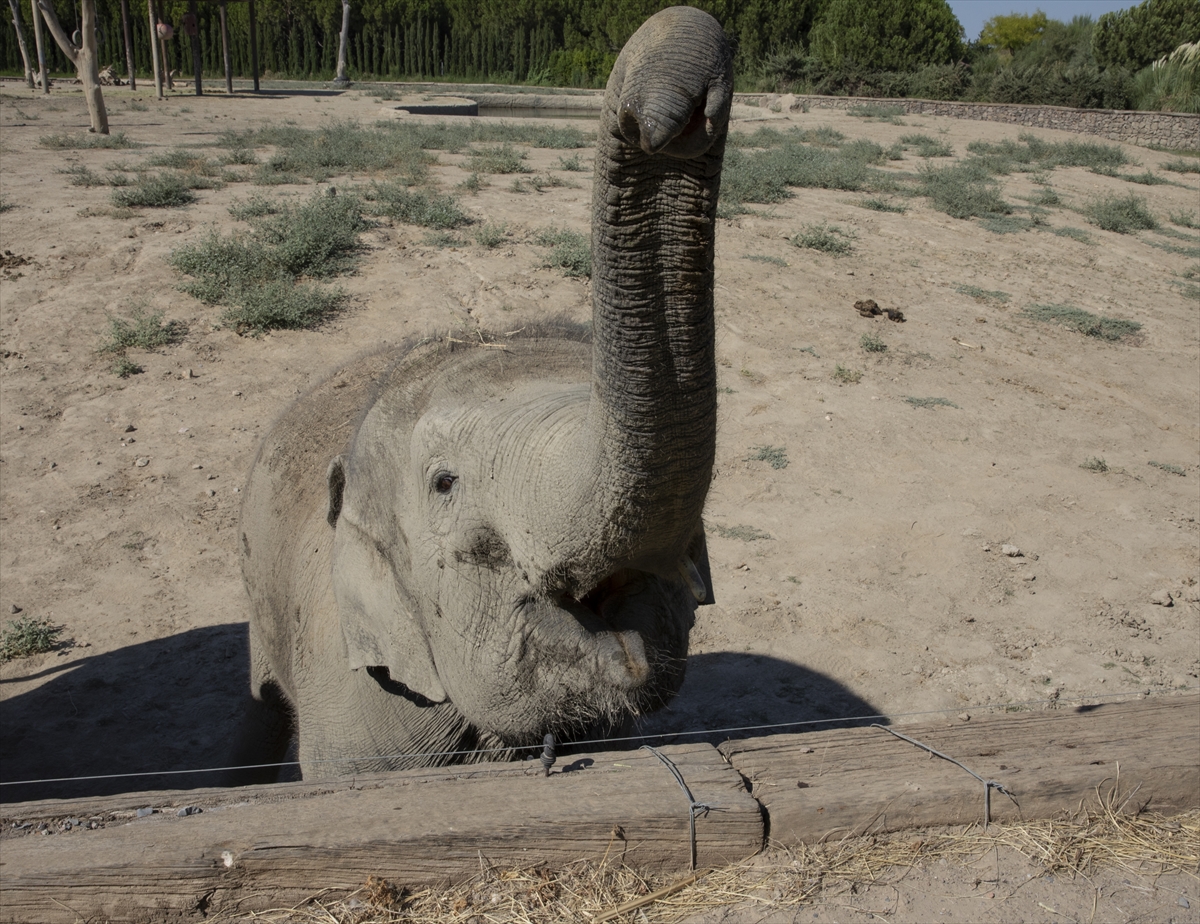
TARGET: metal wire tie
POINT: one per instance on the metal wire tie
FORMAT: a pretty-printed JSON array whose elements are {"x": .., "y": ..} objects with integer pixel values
[{"x": 694, "y": 808}]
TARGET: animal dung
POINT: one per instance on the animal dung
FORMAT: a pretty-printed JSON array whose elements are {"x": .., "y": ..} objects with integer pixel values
[{"x": 868, "y": 308}]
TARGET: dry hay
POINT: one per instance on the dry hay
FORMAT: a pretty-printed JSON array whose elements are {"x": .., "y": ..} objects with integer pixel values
[{"x": 586, "y": 891}]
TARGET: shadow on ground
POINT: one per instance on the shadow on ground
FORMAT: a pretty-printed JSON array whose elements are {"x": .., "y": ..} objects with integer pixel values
[
  {"x": 170, "y": 704},
  {"x": 728, "y": 695}
]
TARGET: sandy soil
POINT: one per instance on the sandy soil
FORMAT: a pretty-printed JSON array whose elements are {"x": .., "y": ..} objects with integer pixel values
[{"x": 866, "y": 576}]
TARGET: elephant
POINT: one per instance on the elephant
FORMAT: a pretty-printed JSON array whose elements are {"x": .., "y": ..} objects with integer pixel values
[{"x": 454, "y": 548}]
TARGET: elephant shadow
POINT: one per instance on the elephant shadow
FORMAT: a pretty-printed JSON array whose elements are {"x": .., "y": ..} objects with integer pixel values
[
  {"x": 727, "y": 695},
  {"x": 145, "y": 711},
  {"x": 152, "y": 716}
]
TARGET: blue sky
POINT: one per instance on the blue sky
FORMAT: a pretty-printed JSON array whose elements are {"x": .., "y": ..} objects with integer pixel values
[{"x": 974, "y": 13}]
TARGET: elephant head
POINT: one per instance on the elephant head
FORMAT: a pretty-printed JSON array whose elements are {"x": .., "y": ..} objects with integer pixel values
[
  {"x": 517, "y": 527},
  {"x": 526, "y": 549}
]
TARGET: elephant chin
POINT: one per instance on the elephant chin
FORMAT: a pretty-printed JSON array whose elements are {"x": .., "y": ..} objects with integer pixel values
[{"x": 587, "y": 667}]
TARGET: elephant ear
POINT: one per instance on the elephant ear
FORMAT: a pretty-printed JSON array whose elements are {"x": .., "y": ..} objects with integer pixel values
[{"x": 378, "y": 621}]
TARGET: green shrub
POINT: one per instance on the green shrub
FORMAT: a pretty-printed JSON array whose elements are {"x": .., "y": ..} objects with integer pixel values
[
  {"x": 872, "y": 343},
  {"x": 1045, "y": 196},
  {"x": 1095, "y": 464},
  {"x": 882, "y": 205},
  {"x": 1121, "y": 214},
  {"x": 963, "y": 190},
  {"x": 849, "y": 376},
  {"x": 1168, "y": 467},
  {"x": 258, "y": 275},
  {"x": 502, "y": 159},
  {"x": 1183, "y": 165},
  {"x": 1145, "y": 178},
  {"x": 766, "y": 258},
  {"x": 1184, "y": 220},
  {"x": 142, "y": 331},
  {"x": 825, "y": 238},
  {"x": 930, "y": 402},
  {"x": 1171, "y": 83},
  {"x": 1075, "y": 234},
  {"x": 416, "y": 207},
  {"x": 337, "y": 149},
  {"x": 982, "y": 294},
  {"x": 775, "y": 456},
  {"x": 1083, "y": 322},
  {"x": 163, "y": 190},
  {"x": 179, "y": 159},
  {"x": 27, "y": 636},
  {"x": 571, "y": 252},
  {"x": 254, "y": 207},
  {"x": 927, "y": 146},
  {"x": 491, "y": 235},
  {"x": 572, "y": 163},
  {"x": 65, "y": 142},
  {"x": 124, "y": 367}
]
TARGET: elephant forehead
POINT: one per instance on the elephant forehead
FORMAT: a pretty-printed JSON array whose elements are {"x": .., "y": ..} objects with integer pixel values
[{"x": 526, "y": 435}]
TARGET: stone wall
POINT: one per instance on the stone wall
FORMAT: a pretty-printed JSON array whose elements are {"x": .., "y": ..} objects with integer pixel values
[{"x": 1169, "y": 129}]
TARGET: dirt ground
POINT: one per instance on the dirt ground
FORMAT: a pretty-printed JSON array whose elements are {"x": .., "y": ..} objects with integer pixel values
[{"x": 864, "y": 575}]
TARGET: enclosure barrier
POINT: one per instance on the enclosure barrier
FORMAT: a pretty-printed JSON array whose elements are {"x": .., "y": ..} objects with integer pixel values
[{"x": 188, "y": 854}]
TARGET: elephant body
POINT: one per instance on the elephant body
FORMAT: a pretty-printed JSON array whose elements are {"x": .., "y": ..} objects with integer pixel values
[{"x": 454, "y": 548}]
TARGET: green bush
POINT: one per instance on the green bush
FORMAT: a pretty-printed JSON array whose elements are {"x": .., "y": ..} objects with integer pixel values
[
  {"x": 1121, "y": 214},
  {"x": 1183, "y": 165},
  {"x": 872, "y": 343},
  {"x": 416, "y": 207},
  {"x": 825, "y": 238},
  {"x": 27, "y": 636},
  {"x": 882, "y": 205},
  {"x": 163, "y": 190},
  {"x": 775, "y": 456},
  {"x": 490, "y": 235},
  {"x": 571, "y": 252},
  {"x": 254, "y": 207},
  {"x": 1083, "y": 322},
  {"x": 963, "y": 190},
  {"x": 927, "y": 146},
  {"x": 65, "y": 142},
  {"x": 503, "y": 158},
  {"x": 1171, "y": 83},
  {"x": 258, "y": 276},
  {"x": 1134, "y": 37},
  {"x": 142, "y": 331}
]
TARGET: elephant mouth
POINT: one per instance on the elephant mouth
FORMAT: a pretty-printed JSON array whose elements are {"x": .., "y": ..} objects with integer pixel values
[{"x": 606, "y": 595}]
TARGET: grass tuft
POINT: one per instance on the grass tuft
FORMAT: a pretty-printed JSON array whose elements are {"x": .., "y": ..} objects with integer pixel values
[
  {"x": 491, "y": 235},
  {"x": 571, "y": 252},
  {"x": 27, "y": 636},
  {"x": 124, "y": 367},
  {"x": 142, "y": 331},
  {"x": 825, "y": 238},
  {"x": 848, "y": 376},
  {"x": 877, "y": 112},
  {"x": 89, "y": 142},
  {"x": 1083, "y": 322},
  {"x": 254, "y": 207},
  {"x": 503, "y": 159},
  {"x": 767, "y": 258},
  {"x": 877, "y": 204},
  {"x": 416, "y": 207},
  {"x": 872, "y": 343},
  {"x": 1075, "y": 234},
  {"x": 775, "y": 456},
  {"x": 1182, "y": 165},
  {"x": 1168, "y": 467},
  {"x": 571, "y": 164},
  {"x": 164, "y": 190},
  {"x": 1121, "y": 214},
  {"x": 982, "y": 294},
  {"x": 927, "y": 146},
  {"x": 963, "y": 190},
  {"x": 930, "y": 402},
  {"x": 1095, "y": 464}
]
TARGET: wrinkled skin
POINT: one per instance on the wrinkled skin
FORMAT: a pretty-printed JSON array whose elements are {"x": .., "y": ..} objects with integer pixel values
[{"x": 507, "y": 541}]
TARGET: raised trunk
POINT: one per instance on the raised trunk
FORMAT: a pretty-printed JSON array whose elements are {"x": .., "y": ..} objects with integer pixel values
[
  {"x": 16, "y": 21},
  {"x": 652, "y": 413}
]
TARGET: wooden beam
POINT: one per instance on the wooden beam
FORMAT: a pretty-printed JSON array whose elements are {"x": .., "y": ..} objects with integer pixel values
[
  {"x": 860, "y": 780},
  {"x": 255, "y": 847}
]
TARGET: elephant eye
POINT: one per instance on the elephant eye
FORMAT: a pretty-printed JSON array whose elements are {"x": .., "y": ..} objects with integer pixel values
[{"x": 444, "y": 482}]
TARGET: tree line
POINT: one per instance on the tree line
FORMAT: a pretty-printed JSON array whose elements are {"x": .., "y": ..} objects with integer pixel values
[{"x": 864, "y": 47}]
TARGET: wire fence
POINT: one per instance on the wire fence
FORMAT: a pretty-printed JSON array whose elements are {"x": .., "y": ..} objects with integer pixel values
[{"x": 448, "y": 757}]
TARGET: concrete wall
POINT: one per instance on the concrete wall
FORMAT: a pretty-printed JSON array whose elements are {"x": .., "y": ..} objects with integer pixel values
[{"x": 1169, "y": 129}]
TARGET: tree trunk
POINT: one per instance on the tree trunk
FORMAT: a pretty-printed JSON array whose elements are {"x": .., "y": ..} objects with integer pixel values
[
  {"x": 193, "y": 34},
  {"x": 127, "y": 30},
  {"x": 16, "y": 15},
  {"x": 158, "y": 80},
  {"x": 88, "y": 65},
  {"x": 41, "y": 48},
  {"x": 225, "y": 47},
  {"x": 254, "y": 45},
  {"x": 341, "y": 64},
  {"x": 84, "y": 57}
]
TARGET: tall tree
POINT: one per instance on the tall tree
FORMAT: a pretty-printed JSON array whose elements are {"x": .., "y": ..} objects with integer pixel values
[
  {"x": 1014, "y": 31},
  {"x": 345, "y": 37},
  {"x": 887, "y": 35},
  {"x": 16, "y": 21},
  {"x": 1135, "y": 37},
  {"x": 84, "y": 56}
]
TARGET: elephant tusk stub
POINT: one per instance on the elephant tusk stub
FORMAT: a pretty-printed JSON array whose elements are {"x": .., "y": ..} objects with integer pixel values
[{"x": 691, "y": 575}]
